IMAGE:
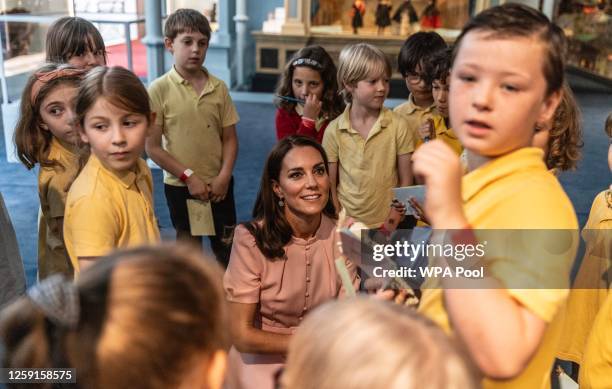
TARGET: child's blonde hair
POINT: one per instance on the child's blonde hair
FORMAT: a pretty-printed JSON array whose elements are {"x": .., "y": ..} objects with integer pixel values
[
  {"x": 357, "y": 62},
  {"x": 361, "y": 343},
  {"x": 31, "y": 140},
  {"x": 565, "y": 137},
  {"x": 143, "y": 317}
]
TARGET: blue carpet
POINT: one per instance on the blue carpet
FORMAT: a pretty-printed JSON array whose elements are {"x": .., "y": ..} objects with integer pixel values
[{"x": 256, "y": 137}]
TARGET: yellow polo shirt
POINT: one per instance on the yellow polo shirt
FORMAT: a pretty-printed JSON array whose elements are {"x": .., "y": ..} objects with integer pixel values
[
  {"x": 414, "y": 115},
  {"x": 53, "y": 184},
  {"x": 106, "y": 211},
  {"x": 590, "y": 288},
  {"x": 596, "y": 369},
  {"x": 367, "y": 168},
  {"x": 192, "y": 125},
  {"x": 445, "y": 134},
  {"x": 516, "y": 191}
]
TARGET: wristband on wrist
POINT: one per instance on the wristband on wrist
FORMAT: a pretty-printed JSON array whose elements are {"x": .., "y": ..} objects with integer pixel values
[
  {"x": 308, "y": 122},
  {"x": 186, "y": 174}
]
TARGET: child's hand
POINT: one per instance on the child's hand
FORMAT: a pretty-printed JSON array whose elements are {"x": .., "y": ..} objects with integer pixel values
[
  {"x": 426, "y": 131},
  {"x": 312, "y": 107},
  {"x": 418, "y": 210},
  {"x": 441, "y": 171},
  {"x": 218, "y": 188},
  {"x": 197, "y": 188}
]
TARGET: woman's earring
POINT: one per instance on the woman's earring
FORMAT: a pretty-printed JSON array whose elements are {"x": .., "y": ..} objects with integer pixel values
[{"x": 281, "y": 203}]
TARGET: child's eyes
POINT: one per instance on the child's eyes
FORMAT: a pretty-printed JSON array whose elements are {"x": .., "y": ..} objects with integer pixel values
[
  {"x": 295, "y": 175},
  {"x": 130, "y": 123},
  {"x": 320, "y": 171},
  {"x": 56, "y": 111},
  {"x": 467, "y": 78},
  {"x": 99, "y": 127},
  {"x": 510, "y": 88}
]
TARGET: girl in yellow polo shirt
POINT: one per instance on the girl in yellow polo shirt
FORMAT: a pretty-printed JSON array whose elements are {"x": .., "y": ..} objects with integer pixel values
[
  {"x": 46, "y": 135},
  {"x": 110, "y": 204},
  {"x": 506, "y": 77}
]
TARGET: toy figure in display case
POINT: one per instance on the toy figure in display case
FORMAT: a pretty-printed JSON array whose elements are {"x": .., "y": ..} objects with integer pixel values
[
  {"x": 383, "y": 15},
  {"x": 407, "y": 17},
  {"x": 357, "y": 15},
  {"x": 430, "y": 18}
]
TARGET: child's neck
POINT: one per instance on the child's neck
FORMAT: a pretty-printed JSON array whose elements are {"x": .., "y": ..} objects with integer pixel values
[
  {"x": 423, "y": 103},
  {"x": 195, "y": 76},
  {"x": 362, "y": 118}
]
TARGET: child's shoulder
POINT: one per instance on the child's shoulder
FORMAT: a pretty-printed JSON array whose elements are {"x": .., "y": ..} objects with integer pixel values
[
  {"x": 601, "y": 209},
  {"x": 88, "y": 184},
  {"x": 160, "y": 84}
]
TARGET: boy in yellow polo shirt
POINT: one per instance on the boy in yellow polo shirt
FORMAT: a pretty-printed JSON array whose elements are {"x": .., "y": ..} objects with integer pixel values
[
  {"x": 197, "y": 121},
  {"x": 368, "y": 146},
  {"x": 414, "y": 54},
  {"x": 506, "y": 77},
  {"x": 437, "y": 74}
]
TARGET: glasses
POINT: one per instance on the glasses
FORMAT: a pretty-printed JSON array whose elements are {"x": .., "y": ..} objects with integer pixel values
[{"x": 414, "y": 78}]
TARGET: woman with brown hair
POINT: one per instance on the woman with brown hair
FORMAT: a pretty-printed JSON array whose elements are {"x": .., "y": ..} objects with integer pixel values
[
  {"x": 282, "y": 262},
  {"x": 149, "y": 318}
]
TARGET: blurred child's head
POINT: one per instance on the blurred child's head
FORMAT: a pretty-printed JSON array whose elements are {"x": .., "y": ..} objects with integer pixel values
[
  {"x": 561, "y": 137},
  {"x": 363, "y": 343},
  {"x": 47, "y": 111},
  {"x": 311, "y": 71},
  {"x": 114, "y": 116},
  {"x": 149, "y": 318},
  {"x": 413, "y": 56},
  {"x": 75, "y": 41},
  {"x": 437, "y": 74},
  {"x": 187, "y": 35},
  {"x": 609, "y": 132},
  {"x": 363, "y": 74},
  {"x": 506, "y": 77}
]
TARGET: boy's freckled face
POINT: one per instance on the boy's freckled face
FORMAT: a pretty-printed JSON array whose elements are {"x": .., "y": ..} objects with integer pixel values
[
  {"x": 116, "y": 137},
  {"x": 497, "y": 93},
  {"x": 188, "y": 50}
]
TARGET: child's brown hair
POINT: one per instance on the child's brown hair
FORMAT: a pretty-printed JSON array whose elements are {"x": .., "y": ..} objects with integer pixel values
[
  {"x": 186, "y": 20},
  {"x": 118, "y": 85},
  {"x": 565, "y": 134},
  {"x": 70, "y": 36},
  {"x": 517, "y": 20},
  {"x": 316, "y": 58},
  {"x": 31, "y": 140},
  {"x": 145, "y": 316},
  {"x": 609, "y": 125}
]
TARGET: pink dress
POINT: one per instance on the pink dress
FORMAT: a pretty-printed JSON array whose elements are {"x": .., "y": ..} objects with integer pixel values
[{"x": 285, "y": 289}]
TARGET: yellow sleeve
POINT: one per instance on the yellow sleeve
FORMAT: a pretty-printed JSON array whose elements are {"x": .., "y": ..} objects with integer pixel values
[
  {"x": 229, "y": 116},
  {"x": 91, "y": 227},
  {"x": 330, "y": 141},
  {"x": 596, "y": 369},
  {"x": 405, "y": 137},
  {"x": 156, "y": 101}
]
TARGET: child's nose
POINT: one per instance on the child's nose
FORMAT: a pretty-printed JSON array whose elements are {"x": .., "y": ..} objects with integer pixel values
[
  {"x": 482, "y": 97},
  {"x": 118, "y": 137}
]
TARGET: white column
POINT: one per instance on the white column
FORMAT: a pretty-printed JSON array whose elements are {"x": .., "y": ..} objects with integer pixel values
[
  {"x": 241, "y": 20},
  {"x": 154, "y": 39}
]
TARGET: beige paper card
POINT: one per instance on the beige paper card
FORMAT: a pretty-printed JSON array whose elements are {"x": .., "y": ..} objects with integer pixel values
[{"x": 200, "y": 218}]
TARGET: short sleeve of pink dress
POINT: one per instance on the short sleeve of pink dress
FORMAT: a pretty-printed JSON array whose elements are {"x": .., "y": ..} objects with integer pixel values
[{"x": 286, "y": 289}]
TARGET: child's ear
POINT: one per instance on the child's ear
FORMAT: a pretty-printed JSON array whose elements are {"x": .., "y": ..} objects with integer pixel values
[
  {"x": 82, "y": 134},
  {"x": 168, "y": 44},
  {"x": 44, "y": 126},
  {"x": 549, "y": 106}
]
